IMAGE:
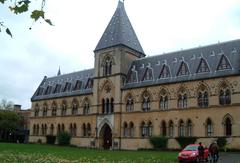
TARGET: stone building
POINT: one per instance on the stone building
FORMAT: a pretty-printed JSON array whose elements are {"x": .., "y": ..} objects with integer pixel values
[{"x": 127, "y": 97}]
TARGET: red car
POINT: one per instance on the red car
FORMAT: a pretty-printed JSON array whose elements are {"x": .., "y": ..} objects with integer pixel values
[{"x": 190, "y": 154}]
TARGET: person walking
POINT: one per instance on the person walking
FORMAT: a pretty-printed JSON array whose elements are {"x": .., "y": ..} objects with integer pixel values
[
  {"x": 214, "y": 150},
  {"x": 201, "y": 152}
]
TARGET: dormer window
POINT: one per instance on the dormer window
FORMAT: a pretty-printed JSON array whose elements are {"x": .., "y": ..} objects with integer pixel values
[
  {"x": 48, "y": 90},
  {"x": 57, "y": 88},
  {"x": 89, "y": 84},
  {"x": 224, "y": 64},
  {"x": 165, "y": 72},
  {"x": 132, "y": 77},
  {"x": 183, "y": 69},
  {"x": 148, "y": 75},
  {"x": 203, "y": 66},
  {"x": 40, "y": 91},
  {"x": 67, "y": 87},
  {"x": 78, "y": 85}
]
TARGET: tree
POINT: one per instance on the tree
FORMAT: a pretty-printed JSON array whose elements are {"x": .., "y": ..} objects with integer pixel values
[
  {"x": 6, "y": 105},
  {"x": 21, "y": 6}
]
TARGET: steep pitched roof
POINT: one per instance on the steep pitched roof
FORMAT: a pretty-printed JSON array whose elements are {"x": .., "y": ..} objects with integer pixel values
[
  {"x": 212, "y": 54},
  {"x": 119, "y": 32},
  {"x": 48, "y": 87}
]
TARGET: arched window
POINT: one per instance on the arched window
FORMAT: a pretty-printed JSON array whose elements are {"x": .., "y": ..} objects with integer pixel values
[
  {"x": 163, "y": 103},
  {"x": 224, "y": 64},
  {"x": 228, "y": 127},
  {"x": 36, "y": 110},
  {"x": 112, "y": 106},
  {"x": 84, "y": 129},
  {"x": 181, "y": 128},
  {"x": 78, "y": 85},
  {"x": 58, "y": 129},
  {"x": 71, "y": 129},
  {"x": 131, "y": 129},
  {"x": 146, "y": 129},
  {"x": 62, "y": 128},
  {"x": 209, "y": 127},
  {"x": 203, "y": 66},
  {"x": 125, "y": 129},
  {"x": 182, "y": 100},
  {"x": 74, "y": 107},
  {"x": 165, "y": 72},
  {"x": 132, "y": 77},
  {"x": 189, "y": 128},
  {"x": 146, "y": 102},
  {"x": 45, "y": 108},
  {"x": 203, "y": 99},
  {"x": 51, "y": 129},
  {"x": 34, "y": 130},
  {"x": 163, "y": 128},
  {"x": 171, "y": 129},
  {"x": 183, "y": 69},
  {"x": 107, "y": 67},
  {"x": 54, "y": 109},
  {"x": 129, "y": 105},
  {"x": 67, "y": 87},
  {"x": 224, "y": 96},
  {"x": 88, "y": 130},
  {"x": 86, "y": 109},
  {"x": 37, "y": 129},
  {"x": 64, "y": 108},
  {"x": 148, "y": 75},
  {"x": 44, "y": 129},
  {"x": 103, "y": 106}
]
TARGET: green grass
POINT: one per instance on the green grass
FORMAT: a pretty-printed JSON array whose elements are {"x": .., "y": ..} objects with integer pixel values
[{"x": 20, "y": 153}]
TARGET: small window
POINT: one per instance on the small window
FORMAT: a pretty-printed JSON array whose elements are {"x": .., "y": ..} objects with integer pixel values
[
  {"x": 224, "y": 96},
  {"x": 67, "y": 87},
  {"x": 165, "y": 72},
  {"x": 146, "y": 102},
  {"x": 203, "y": 66},
  {"x": 148, "y": 75},
  {"x": 129, "y": 104},
  {"x": 132, "y": 77},
  {"x": 224, "y": 63},
  {"x": 89, "y": 84},
  {"x": 78, "y": 85},
  {"x": 107, "y": 66},
  {"x": 183, "y": 69}
]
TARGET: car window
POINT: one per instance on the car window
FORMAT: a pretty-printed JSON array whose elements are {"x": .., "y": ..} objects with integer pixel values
[{"x": 191, "y": 148}]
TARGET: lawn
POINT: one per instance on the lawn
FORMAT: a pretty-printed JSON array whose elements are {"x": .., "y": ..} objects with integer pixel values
[{"x": 37, "y": 153}]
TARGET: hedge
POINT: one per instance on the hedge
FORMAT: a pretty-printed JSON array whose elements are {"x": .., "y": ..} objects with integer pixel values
[{"x": 159, "y": 142}]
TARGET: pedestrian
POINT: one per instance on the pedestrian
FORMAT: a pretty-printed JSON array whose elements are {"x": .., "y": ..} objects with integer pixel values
[
  {"x": 200, "y": 152},
  {"x": 214, "y": 150}
]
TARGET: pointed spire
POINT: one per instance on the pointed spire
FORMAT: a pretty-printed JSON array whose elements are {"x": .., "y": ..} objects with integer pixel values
[
  {"x": 59, "y": 71},
  {"x": 119, "y": 32}
]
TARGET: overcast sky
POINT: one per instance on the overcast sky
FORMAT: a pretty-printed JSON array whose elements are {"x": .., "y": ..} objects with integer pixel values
[{"x": 161, "y": 26}]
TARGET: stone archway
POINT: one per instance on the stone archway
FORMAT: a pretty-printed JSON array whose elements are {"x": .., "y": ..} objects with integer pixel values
[{"x": 105, "y": 137}]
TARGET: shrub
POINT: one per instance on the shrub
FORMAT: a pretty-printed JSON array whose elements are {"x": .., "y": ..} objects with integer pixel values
[
  {"x": 50, "y": 139},
  {"x": 159, "y": 142},
  {"x": 184, "y": 141},
  {"x": 221, "y": 142},
  {"x": 63, "y": 138}
]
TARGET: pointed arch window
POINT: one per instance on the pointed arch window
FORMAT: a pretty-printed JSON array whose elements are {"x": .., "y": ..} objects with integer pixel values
[
  {"x": 228, "y": 127},
  {"x": 189, "y": 128},
  {"x": 48, "y": 90},
  {"x": 146, "y": 129},
  {"x": 36, "y": 110},
  {"x": 107, "y": 67},
  {"x": 203, "y": 99},
  {"x": 86, "y": 108},
  {"x": 163, "y": 103},
  {"x": 171, "y": 129},
  {"x": 88, "y": 130},
  {"x": 57, "y": 88},
  {"x": 37, "y": 129},
  {"x": 44, "y": 129},
  {"x": 54, "y": 109},
  {"x": 224, "y": 96},
  {"x": 45, "y": 109},
  {"x": 209, "y": 127},
  {"x": 203, "y": 66},
  {"x": 165, "y": 72},
  {"x": 131, "y": 129},
  {"x": 181, "y": 128},
  {"x": 148, "y": 75},
  {"x": 64, "y": 108},
  {"x": 183, "y": 69},
  {"x": 125, "y": 129},
  {"x": 163, "y": 128},
  {"x": 130, "y": 104},
  {"x": 67, "y": 87},
  {"x": 182, "y": 100},
  {"x": 78, "y": 85},
  {"x": 146, "y": 102},
  {"x": 224, "y": 64},
  {"x": 51, "y": 129},
  {"x": 74, "y": 107}
]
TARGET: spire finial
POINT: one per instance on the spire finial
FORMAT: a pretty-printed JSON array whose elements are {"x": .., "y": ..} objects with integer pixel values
[
  {"x": 59, "y": 71},
  {"x": 121, "y": 1}
]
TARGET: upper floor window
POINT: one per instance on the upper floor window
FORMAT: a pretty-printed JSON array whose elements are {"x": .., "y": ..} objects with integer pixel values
[
  {"x": 57, "y": 88},
  {"x": 183, "y": 69},
  {"x": 129, "y": 105},
  {"x": 36, "y": 110},
  {"x": 64, "y": 108},
  {"x": 74, "y": 107},
  {"x": 45, "y": 109},
  {"x": 182, "y": 100},
  {"x": 89, "y": 84},
  {"x": 203, "y": 99},
  {"x": 223, "y": 63},
  {"x": 48, "y": 90},
  {"x": 86, "y": 108},
  {"x": 224, "y": 96},
  {"x": 107, "y": 106},
  {"x": 146, "y": 102},
  {"x": 107, "y": 66},
  {"x": 163, "y": 103},
  {"x": 54, "y": 109},
  {"x": 203, "y": 66},
  {"x": 148, "y": 74},
  {"x": 132, "y": 77},
  {"x": 165, "y": 72}
]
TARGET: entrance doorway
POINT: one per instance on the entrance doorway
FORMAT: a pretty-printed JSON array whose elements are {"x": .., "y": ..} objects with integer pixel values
[{"x": 106, "y": 137}]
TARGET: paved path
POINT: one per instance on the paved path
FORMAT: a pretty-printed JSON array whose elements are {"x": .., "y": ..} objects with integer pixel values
[{"x": 229, "y": 157}]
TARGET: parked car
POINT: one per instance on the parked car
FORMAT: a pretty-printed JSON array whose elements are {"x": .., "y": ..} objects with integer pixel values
[{"x": 190, "y": 154}]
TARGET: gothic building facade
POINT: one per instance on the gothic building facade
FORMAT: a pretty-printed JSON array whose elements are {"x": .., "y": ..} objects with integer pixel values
[{"x": 127, "y": 97}]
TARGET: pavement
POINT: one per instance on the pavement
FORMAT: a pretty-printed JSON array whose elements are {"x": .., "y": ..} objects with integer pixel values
[{"x": 229, "y": 157}]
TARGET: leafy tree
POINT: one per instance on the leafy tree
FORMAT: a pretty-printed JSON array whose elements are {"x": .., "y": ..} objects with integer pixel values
[
  {"x": 6, "y": 105},
  {"x": 21, "y": 6}
]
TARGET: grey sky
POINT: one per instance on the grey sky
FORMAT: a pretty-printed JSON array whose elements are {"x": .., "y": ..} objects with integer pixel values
[{"x": 161, "y": 26}]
